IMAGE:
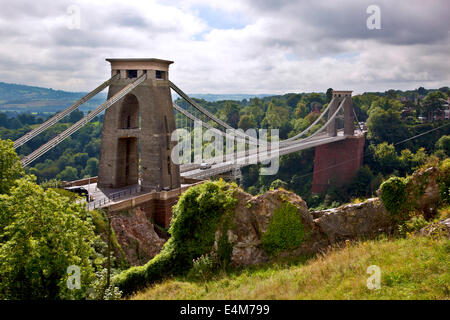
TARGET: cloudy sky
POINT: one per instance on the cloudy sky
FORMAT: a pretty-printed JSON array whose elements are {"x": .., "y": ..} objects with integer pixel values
[{"x": 245, "y": 46}]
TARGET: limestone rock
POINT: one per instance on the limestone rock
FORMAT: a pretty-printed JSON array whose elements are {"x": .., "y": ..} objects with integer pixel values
[
  {"x": 251, "y": 220},
  {"x": 253, "y": 214},
  {"x": 354, "y": 220},
  {"x": 423, "y": 188},
  {"x": 136, "y": 235},
  {"x": 437, "y": 229}
]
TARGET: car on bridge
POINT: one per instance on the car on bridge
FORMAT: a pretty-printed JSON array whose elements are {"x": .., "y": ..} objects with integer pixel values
[{"x": 205, "y": 165}]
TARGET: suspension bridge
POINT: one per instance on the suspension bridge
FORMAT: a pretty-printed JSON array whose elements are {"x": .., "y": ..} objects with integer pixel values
[{"x": 140, "y": 116}]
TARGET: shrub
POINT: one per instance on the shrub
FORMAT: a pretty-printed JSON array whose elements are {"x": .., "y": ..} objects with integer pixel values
[
  {"x": 412, "y": 225},
  {"x": 202, "y": 268},
  {"x": 285, "y": 231},
  {"x": 197, "y": 215},
  {"x": 101, "y": 291},
  {"x": 393, "y": 195}
]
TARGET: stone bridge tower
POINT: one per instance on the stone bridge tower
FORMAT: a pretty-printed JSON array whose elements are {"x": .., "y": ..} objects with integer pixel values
[
  {"x": 339, "y": 162},
  {"x": 137, "y": 129}
]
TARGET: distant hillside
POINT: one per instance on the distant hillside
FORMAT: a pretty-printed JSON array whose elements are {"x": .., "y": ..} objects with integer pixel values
[
  {"x": 219, "y": 97},
  {"x": 20, "y": 98}
]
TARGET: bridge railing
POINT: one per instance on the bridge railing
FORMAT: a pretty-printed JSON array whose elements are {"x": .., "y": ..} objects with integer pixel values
[{"x": 113, "y": 197}]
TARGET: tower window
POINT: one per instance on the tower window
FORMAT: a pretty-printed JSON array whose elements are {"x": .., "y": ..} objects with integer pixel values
[
  {"x": 160, "y": 74},
  {"x": 131, "y": 73}
]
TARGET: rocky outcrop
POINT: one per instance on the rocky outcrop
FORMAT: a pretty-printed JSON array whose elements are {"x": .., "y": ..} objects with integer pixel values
[
  {"x": 253, "y": 215},
  {"x": 423, "y": 191},
  {"x": 440, "y": 228},
  {"x": 352, "y": 221},
  {"x": 251, "y": 219},
  {"x": 136, "y": 235}
]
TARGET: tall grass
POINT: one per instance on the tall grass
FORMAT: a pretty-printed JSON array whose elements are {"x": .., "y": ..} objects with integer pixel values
[{"x": 411, "y": 268}]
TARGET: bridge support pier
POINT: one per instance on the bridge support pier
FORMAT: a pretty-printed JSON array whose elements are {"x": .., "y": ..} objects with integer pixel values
[
  {"x": 338, "y": 161},
  {"x": 136, "y": 134}
]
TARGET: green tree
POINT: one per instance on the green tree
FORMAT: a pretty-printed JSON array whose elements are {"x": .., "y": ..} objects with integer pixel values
[
  {"x": 68, "y": 174},
  {"x": 80, "y": 159},
  {"x": 42, "y": 234},
  {"x": 10, "y": 166},
  {"x": 92, "y": 167},
  {"x": 385, "y": 157},
  {"x": 433, "y": 104},
  {"x": 360, "y": 184},
  {"x": 230, "y": 113},
  {"x": 444, "y": 144},
  {"x": 384, "y": 122},
  {"x": 246, "y": 122},
  {"x": 329, "y": 94},
  {"x": 300, "y": 111}
]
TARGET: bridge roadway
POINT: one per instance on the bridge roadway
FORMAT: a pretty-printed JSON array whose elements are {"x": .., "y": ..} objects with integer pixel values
[{"x": 221, "y": 167}]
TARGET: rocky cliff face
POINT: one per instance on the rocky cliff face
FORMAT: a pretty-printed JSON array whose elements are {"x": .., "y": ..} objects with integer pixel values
[
  {"x": 423, "y": 191},
  {"x": 136, "y": 235},
  {"x": 254, "y": 214},
  {"x": 353, "y": 221}
]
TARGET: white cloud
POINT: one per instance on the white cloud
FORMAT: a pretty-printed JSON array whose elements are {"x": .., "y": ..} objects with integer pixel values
[{"x": 287, "y": 46}]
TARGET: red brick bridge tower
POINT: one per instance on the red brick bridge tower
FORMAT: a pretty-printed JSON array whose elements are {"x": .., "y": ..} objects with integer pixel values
[{"x": 338, "y": 161}]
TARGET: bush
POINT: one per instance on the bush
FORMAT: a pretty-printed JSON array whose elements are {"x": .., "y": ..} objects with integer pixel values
[
  {"x": 393, "y": 195},
  {"x": 197, "y": 215},
  {"x": 412, "y": 225},
  {"x": 101, "y": 291},
  {"x": 444, "y": 144},
  {"x": 285, "y": 231},
  {"x": 202, "y": 268}
]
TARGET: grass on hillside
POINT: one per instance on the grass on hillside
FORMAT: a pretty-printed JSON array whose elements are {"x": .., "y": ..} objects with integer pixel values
[{"x": 411, "y": 268}]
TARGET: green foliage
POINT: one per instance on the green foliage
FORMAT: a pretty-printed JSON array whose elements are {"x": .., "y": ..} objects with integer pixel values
[
  {"x": 384, "y": 122},
  {"x": 224, "y": 246},
  {"x": 385, "y": 156},
  {"x": 100, "y": 290},
  {"x": 196, "y": 217},
  {"x": 68, "y": 174},
  {"x": 285, "y": 231},
  {"x": 444, "y": 144},
  {"x": 202, "y": 268},
  {"x": 10, "y": 166},
  {"x": 412, "y": 225},
  {"x": 444, "y": 181},
  {"x": 246, "y": 122},
  {"x": 360, "y": 184},
  {"x": 41, "y": 234},
  {"x": 394, "y": 197},
  {"x": 276, "y": 184}
]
